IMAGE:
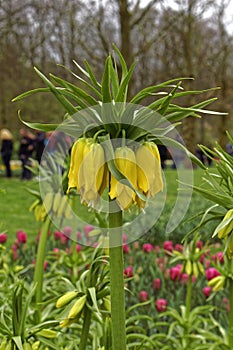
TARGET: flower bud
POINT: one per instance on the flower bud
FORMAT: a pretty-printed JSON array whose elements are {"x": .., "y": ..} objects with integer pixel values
[
  {"x": 66, "y": 298},
  {"x": 77, "y": 307},
  {"x": 226, "y": 230}
]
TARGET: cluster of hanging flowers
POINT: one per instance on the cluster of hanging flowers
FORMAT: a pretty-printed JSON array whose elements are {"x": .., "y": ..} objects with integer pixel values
[{"x": 89, "y": 173}]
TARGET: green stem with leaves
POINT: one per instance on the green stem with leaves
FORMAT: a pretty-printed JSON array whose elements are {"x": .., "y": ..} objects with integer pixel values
[
  {"x": 117, "y": 280},
  {"x": 188, "y": 297},
  {"x": 86, "y": 328},
  {"x": 39, "y": 267},
  {"x": 230, "y": 320}
]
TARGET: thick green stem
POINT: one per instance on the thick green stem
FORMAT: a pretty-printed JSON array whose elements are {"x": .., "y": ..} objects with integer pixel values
[
  {"x": 230, "y": 320},
  {"x": 117, "y": 281},
  {"x": 39, "y": 267},
  {"x": 85, "y": 328},
  {"x": 188, "y": 297}
]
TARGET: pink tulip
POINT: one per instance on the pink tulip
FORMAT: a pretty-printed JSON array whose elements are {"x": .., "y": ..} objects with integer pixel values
[
  {"x": 211, "y": 272},
  {"x": 157, "y": 284},
  {"x": 124, "y": 238},
  {"x": 143, "y": 296},
  {"x": 67, "y": 230},
  {"x": 147, "y": 248},
  {"x": 178, "y": 247},
  {"x": 78, "y": 248},
  {"x": 199, "y": 244},
  {"x": 57, "y": 235},
  {"x": 3, "y": 237},
  {"x": 126, "y": 248},
  {"x": 168, "y": 246},
  {"x": 207, "y": 290},
  {"x": 21, "y": 237},
  {"x": 79, "y": 235},
  {"x": 218, "y": 257},
  {"x": 175, "y": 272},
  {"x": 64, "y": 239},
  {"x": 128, "y": 272},
  {"x": 87, "y": 229},
  {"x": 161, "y": 305}
]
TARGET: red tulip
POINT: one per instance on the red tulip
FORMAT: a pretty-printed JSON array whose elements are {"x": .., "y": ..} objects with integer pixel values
[
  {"x": 211, "y": 272},
  {"x": 157, "y": 284},
  {"x": 128, "y": 272},
  {"x": 21, "y": 237},
  {"x": 147, "y": 248},
  {"x": 168, "y": 246},
  {"x": 161, "y": 305},
  {"x": 207, "y": 290},
  {"x": 175, "y": 272},
  {"x": 143, "y": 296},
  {"x": 3, "y": 237}
]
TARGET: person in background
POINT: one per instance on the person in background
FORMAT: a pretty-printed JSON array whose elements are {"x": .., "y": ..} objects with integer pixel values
[
  {"x": 6, "y": 149},
  {"x": 229, "y": 149},
  {"x": 39, "y": 144},
  {"x": 163, "y": 155},
  {"x": 26, "y": 149}
]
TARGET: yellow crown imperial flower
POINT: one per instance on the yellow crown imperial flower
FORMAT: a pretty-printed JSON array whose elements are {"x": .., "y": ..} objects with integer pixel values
[
  {"x": 75, "y": 162},
  {"x": 126, "y": 162},
  {"x": 91, "y": 172},
  {"x": 88, "y": 172},
  {"x": 149, "y": 176}
]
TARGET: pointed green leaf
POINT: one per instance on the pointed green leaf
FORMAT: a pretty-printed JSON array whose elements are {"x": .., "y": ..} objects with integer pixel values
[
  {"x": 64, "y": 102},
  {"x": 122, "y": 93},
  {"x": 114, "y": 80},
  {"x": 39, "y": 126},
  {"x": 106, "y": 82},
  {"x": 29, "y": 93},
  {"x": 164, "y": 106},
  {"x": 148, "y": 90},
  {"x": 76, "y": 90},
  {"x": 18, "y": 341},
  {"x": 91, "y": 74},
  {"x": 122, "y": 62}
]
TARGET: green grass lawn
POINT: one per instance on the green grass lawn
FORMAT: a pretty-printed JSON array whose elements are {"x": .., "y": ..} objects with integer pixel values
[{"x": 15, "y": 201}]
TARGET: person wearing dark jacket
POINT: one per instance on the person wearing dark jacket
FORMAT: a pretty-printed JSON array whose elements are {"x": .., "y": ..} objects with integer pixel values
[
  {"x": 26, "y": 149},
  {"x": 6, "y": 150}
]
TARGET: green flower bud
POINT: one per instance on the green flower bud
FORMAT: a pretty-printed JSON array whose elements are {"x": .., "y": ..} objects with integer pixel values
[{"x": 66, "y": 298}]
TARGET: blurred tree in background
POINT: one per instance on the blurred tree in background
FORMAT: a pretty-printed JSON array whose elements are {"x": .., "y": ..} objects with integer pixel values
[{"x": 187, "y": 38}]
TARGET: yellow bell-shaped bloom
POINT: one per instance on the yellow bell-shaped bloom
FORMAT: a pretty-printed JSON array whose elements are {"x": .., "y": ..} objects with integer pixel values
[
  {"x": 149, "y": 176},
  {"x": 126, "y": 162},
  {"x": 91, "y": 172},
  {"x": 75, "y": 163}
]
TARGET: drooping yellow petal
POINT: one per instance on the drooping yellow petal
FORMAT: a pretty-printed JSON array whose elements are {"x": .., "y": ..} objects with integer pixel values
[
  {"x": 75, "y": 163},
  {"x": 149, "y": 169},
  {"x": 126, "y": 162},
  {"x": 91, "y": 172}
]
